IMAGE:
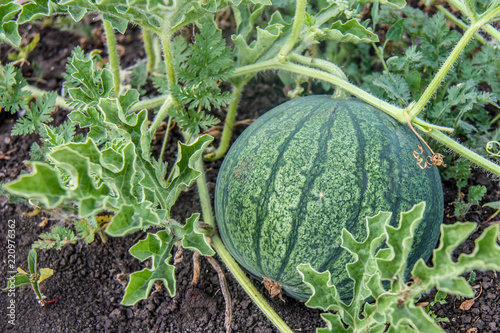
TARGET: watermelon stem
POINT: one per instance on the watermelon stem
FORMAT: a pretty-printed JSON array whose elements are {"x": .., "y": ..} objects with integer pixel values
[
  {"x": 274, "y": 64},
  {"x": 326, "y": 66},
  {"x": 114, "y": 60},
  {"x": 298, "y": 20},
  {"x": 234, "y": 268},
  {"x": 465, "y": 152},
  {"x": 227, "y": 132}
]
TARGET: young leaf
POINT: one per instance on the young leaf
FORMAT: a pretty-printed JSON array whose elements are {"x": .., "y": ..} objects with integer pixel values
[
  {"x": 32, "y": 261},
  {"x": 42, "y": 184},
  {"x": 157, "y": 247},
  {"x": 12, "y": 97},
  {"x": 85, "y": 83},
  {"x": 56, "y": 238},
  {"x": 248, "y": 52},
  {"x": 36, "y": 116},
  {"x": 192, "y": 238}
]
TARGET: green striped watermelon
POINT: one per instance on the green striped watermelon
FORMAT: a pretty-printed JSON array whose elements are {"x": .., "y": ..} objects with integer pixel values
[{"x": 310, "y": 167}]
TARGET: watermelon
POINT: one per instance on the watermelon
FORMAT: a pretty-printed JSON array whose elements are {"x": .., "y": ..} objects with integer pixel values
[{"x": 309, "y": 168}]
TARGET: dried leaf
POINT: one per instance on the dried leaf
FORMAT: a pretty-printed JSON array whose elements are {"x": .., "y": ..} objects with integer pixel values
[{"x": 466, "y": 305}]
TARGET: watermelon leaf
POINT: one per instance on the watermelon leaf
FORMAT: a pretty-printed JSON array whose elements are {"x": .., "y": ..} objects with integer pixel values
[
  {"x": 158, "y": 247},
  {"x": 380, "y": 295},
  {"x": 9, "y": 29},
  {"x": 192, "y": 238}
]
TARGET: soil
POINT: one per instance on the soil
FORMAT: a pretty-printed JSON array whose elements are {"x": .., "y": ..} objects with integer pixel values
[{"x": 86, "y": 281}]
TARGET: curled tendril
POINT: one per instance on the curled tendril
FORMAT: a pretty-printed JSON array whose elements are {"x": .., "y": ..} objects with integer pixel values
[
  {"x": 429, "y": 161},
  {"x": 493, "y": 148}
]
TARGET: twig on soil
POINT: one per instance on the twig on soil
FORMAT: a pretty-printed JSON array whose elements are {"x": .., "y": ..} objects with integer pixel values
[
  {"x": 178, "y": 254},
  {"x": 225, "y": 293},
  {"x": 196, "y": 268}
]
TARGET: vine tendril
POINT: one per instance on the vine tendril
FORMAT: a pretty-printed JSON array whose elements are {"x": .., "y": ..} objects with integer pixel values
[{"x": 429, "y": 161}]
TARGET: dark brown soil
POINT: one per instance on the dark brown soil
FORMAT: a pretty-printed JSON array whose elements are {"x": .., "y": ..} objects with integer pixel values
[{"x": 85, "y": 279}]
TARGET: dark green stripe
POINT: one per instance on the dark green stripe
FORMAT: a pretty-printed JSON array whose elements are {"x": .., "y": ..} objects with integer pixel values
[
  {"x": 262, "y": 209},
  {"x": 311, "y": 177}
]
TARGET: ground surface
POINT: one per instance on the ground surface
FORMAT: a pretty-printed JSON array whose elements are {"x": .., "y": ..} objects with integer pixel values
[{"x": 85, "y": 279}]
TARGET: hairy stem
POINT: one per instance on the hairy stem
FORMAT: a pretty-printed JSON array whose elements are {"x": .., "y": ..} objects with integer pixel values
[
  {"x": 492, "y": 31},
  {"x": 114, "y": 62},
  {"x": 165, "y": 139},
  {"x": 162, "y": 114},
  {"x": 443, "y": 71},
  {"x": 465, "y": 152},
  {"x": 168, "y": 59},
  {"x": 150, "y": 103},
  {"x": 274, "y": 64},
  {"x": 298, "y": 20},
  {"x": 230, "y": 263},
  {"x": 227, "y": 132},
  {"x": 326, "y": 66},
  {"x": 148, "y": 48}
]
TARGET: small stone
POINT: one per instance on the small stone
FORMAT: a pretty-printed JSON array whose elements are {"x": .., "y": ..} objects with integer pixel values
[{"x": 115, "y": 314}]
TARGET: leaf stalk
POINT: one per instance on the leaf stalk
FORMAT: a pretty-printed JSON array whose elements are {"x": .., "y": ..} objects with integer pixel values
[
  {"x": 298, "y": 20},
  {"x": 227, "y": 132},
  {"x": 114, "y": 61}
]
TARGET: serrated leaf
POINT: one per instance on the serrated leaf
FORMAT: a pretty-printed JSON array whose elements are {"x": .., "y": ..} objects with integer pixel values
[
  {"x": 157, "y": 247},
  {"x": 42, "y": 184},
  {"x": 445, "y": 273},
  {"x": 334, "y": 324},
  {"x": 249, "y": 52},
  {"x": 192, "y": 238},
  {"x": 370, "y": 267},
  {"x": 325, "y": 295},
  {"x": 36, "y": 116},
  {"x": 399, "y": 241},
  {"x": 8, "y": 28},
  {"x": 476, "y": 194},
  {"x": 12, "y": 96},
  {"x": 131, "y": 218},
  {"x": 184, "y": 172},
  {"x": 351, "y": 31}
]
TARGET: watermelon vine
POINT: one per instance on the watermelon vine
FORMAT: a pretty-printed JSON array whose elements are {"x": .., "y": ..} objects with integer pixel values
[{"x": 111, "y": 168}]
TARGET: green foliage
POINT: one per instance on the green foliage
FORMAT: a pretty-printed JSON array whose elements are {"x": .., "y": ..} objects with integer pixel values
[
  {"x": 440, "y": 298},
  {"x": 85, "y": 83},
  {"x": 110, "y": 166},
  {"x": 12, "y": 97},
  {"x": 36, "y": 116},
  {"x": 382, "y": 301},
  {"x": 56, "y": 238},
  {"x": 33, "y": 278},
  {"x": 201, "y": 67}
]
